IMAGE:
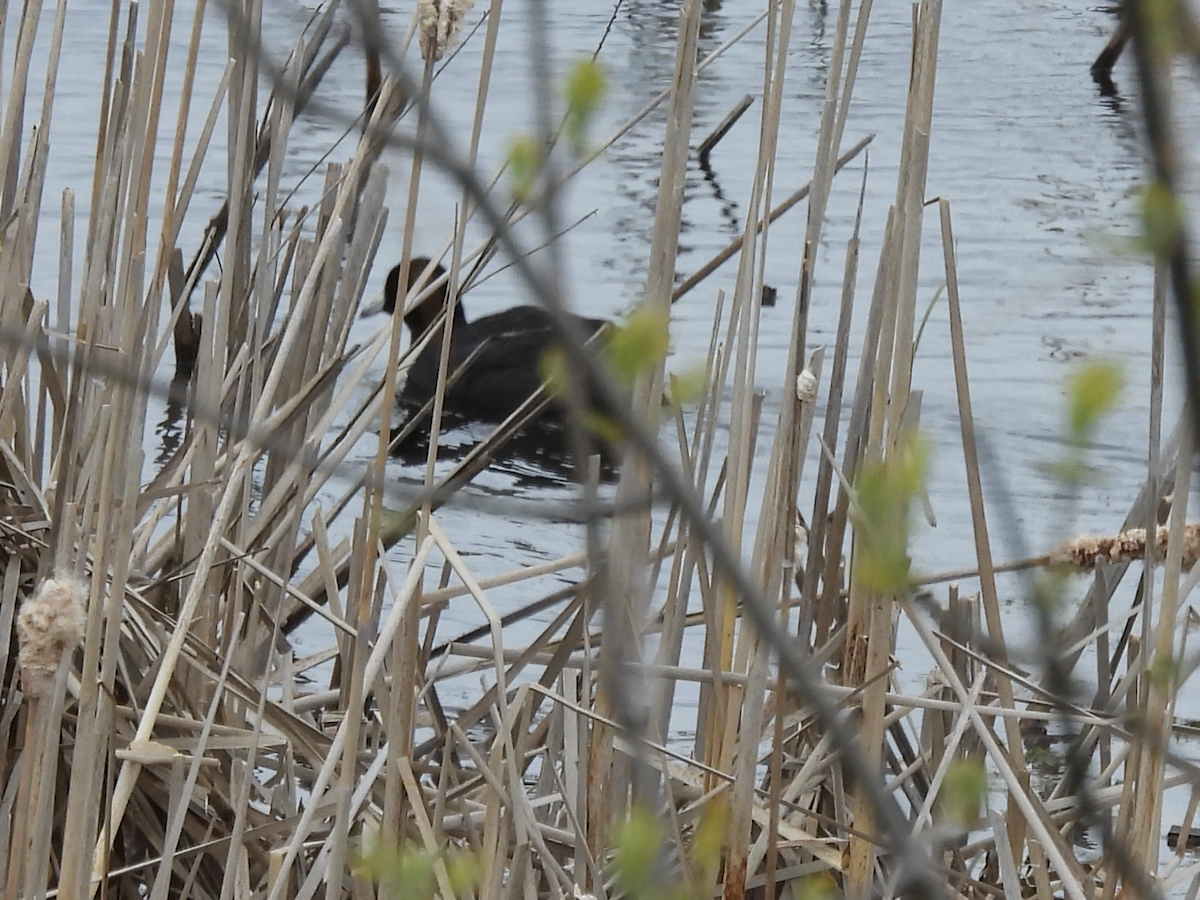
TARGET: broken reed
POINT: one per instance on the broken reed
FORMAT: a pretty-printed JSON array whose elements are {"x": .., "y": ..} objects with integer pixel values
[{"x": 219, "y": 760}]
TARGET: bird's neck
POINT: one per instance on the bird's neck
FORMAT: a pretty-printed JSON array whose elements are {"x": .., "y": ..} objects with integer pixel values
[{"x": 420, "y": 319}]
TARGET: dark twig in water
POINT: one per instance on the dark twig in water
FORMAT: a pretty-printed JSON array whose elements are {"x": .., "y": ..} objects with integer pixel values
[
  {"x": 1102, "y": 68},
  {"x": 714, "y": 136}
]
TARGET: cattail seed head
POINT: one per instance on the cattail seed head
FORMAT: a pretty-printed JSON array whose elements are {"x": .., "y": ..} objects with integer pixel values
[
  {"x": 440, "y": 22},
  {"x": 1085, "y": 552},
  {"x": 49, "y": 626}
]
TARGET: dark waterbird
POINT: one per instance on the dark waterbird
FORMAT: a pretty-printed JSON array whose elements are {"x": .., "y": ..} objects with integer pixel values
[
  {"x": 500, "y": 354},
  {"x": 495, "y": 362}
]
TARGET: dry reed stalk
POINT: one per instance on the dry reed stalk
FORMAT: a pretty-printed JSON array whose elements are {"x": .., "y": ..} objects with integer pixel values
[
  {"x": 773, "y": 542},
  {"x": 117, "y": 485},
  {"x": 819, "y": 516},
  {"x": 14, "y": 117},
  {"x": 402, "y": 712},
  {"x": 830, "y": 613},
  {"x": 1143, "y": 509},
  {"x": 179, "y": 199},
  {"x": 1157, "y": 695},
  {"x": 526, "y": 654},
  {"x": 696, "y": 461},
  {"x": 948, "y": 754},
  {"x": 273, "y": 381},
  {"x": 870, "y": 613},
  {"x": 404, "y": 660},
  {"x": 625, "y": 588},
  {"x": 725, "y": 648},
  {"x": 983, "y": 551},
  {"x": 370, "y": 671},
  {"x": 1029, "y": 805},
  {"x": 1152, "y": 514}
]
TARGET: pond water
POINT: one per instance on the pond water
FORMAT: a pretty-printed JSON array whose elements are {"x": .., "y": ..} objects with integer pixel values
[{"x": 1040, "y": 170}]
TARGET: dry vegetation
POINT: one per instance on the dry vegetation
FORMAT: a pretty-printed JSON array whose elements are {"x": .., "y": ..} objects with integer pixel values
[{"x": 156, "y": 737}]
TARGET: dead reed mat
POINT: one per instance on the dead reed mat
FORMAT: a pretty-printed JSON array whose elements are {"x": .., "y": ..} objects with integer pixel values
[{"x": 161, "y": 738}]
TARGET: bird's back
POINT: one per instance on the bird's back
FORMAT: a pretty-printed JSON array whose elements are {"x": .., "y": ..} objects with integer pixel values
[{"x": 503, "y": 352}]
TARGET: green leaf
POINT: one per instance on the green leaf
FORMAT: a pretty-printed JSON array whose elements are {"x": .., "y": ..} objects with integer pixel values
[
  {"x": 524, "y": 163},
  {"x": 708, "y": 843},
  {"x": 963, "y": 792},
  {"x": 638, "y": 847},
  {"x": 585, "y": 89},
  {"x": 688, "y": 386},
  {"x": 403, "y": 873},
  {"x": 552, "y": 368},
  {"x": 465, "y": 871},
  {"x": 641, "y": 343},
  {"x": 886, "y": 490},
  {"x": 1092, "y": 392},
  {"x": 1160, "y": 29},
  {"x": 1162, "y": 219},
  {"x": 1164, "y": 669},
  {"x": 818, "y": 886},
  {"x": 408, "y": 872},
  {"x": 396, "y": 525},
  {"x": 605, "y": 427}
]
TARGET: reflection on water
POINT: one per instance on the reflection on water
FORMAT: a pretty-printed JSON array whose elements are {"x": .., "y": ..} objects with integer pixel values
[
  {"x": 728, "y": 206},
  {"x": 169, "y": 431},
  {"x": 538, "y": 456}
]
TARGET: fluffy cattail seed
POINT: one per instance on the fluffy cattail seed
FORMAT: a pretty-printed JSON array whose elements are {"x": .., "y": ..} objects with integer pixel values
[
  {"x": 49, "y": 626},
  {"x": 1085, "y": 552},
  {"x": 440, "y": 22},
  {"x": 806, "y": 386}
]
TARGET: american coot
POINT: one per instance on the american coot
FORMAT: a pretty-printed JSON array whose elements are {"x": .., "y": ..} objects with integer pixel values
[{"x": 502, "y": 352}]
